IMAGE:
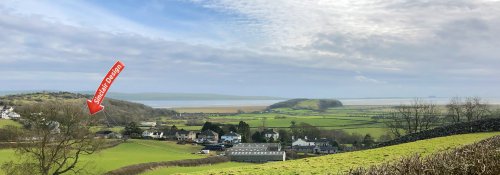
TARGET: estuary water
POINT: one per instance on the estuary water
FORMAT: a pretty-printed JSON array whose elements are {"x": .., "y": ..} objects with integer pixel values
[{"x": 345, "y": 101}]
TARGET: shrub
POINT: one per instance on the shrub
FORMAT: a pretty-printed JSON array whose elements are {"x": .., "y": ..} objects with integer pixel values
[{"x": 480, "y": 158}]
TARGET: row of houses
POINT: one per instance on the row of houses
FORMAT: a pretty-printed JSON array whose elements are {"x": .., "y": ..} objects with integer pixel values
[
  {"x": 317, "y": 146},
  {"x": 207, "y": 136},
  {"x": 7, "y": 112}
]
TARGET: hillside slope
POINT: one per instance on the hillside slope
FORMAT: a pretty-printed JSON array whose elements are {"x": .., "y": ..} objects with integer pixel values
[
  {"x": 119, "y": 111},
  {"x": 310, "y": 104},
  {"x": 341, "y": 163}
]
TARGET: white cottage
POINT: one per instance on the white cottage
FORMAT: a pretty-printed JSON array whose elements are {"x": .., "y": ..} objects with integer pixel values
[{"x": 231, "y": 137}]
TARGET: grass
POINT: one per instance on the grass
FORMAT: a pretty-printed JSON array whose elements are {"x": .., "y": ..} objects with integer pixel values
[
  {"x": 340, "y": 163},
  {"x": 132, "y": 152},
  {"x": 175, "y": 170},
  {"x": 5, "y": 122}
]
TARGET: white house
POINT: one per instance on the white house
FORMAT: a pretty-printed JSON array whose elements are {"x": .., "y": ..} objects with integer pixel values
[
  {"x": 147, "y": 133},
  {"x": 4, "y": 115},
  {"x": 148, "y": 124},
  {"x": 303, "y": 142},
  {"x": 14, "y": 115},
  {"x": 270, "y": 133},
  {"x": 231, "y": 137}
]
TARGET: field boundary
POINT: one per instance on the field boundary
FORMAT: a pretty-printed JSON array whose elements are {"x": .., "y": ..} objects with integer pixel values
[{"x": 143, "y": 167}]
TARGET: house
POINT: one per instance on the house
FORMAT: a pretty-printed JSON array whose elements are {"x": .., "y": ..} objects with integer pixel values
[
  {"x": 147, "y": 124},
  {"x": 231, "y": 137},
  {"x": 184, "y": 135},
  {"x": 147, "y": 134},
  {"x": 4, "y": 115},
  {"x": 317, "y": 146},
  {"x": 256, "y": 152},
  {"x": 7, "y": 112},
  {"x": 270, "y": 133},
  {"x": 302, "y": 142},
  {"x": 170, "y": 135},
  {"x": 208, "y": 136},
  {"x": 14, "y": 115},
  {"x": 157, "y": 135},
  {"x": 107, "y": 134}
]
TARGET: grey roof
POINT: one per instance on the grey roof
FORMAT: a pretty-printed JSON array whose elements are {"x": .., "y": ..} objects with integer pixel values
[
  {"x": 104, "y": 132},
  {"x": 270, "y": 131},
  {"x": 232, "y": 134},
  {"x": 235, "y": 153},
  {"x": 184, "y": 132},
  {"x": 209, "y": 133}
]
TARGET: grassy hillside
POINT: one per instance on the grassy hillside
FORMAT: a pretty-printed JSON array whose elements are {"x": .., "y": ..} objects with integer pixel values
[
  {"x": 4, "y": 122},
  {"x": 310, "y": 104},
  {"x": 132, "y": 152},
  {"x": 119, "y": 111},
  {"x": 340, "y": 163},
  {"x": 175, "y": 170}
]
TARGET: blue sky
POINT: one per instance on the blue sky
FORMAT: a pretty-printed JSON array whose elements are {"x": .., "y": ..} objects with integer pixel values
[{"x": 288, "y": 48}]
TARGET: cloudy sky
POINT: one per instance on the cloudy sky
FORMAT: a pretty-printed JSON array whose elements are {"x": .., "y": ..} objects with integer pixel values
[{"x": 288, "y": 48}]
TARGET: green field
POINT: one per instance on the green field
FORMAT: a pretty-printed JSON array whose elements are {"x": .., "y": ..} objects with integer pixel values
[
  {"x": 132, "y": 152},
  {"x": 352, "y": 119},
  {"x": 339, "y": 163},
  {"x": 5, "y": 122},
  {"x": 175, "y": 170}
]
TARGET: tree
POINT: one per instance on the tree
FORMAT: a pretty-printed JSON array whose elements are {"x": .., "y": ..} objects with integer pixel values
[
  {"x": 244, "y": 130},
  {"x": 473, "y": 108},
  {"x": 56, "y": 136},
  {"x": 368, "y": 140},
  {"x": 284, "y": 137},
  {"x": 258, "y": 137},
  {"x": 173, "y": 128},
  {"x": 132, "y": 130},
  {"x": 232, "y": 128},
  {"x": 415, "y": 117}
]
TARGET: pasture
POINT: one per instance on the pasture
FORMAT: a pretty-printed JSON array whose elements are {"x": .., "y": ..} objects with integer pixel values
[
  {"x": 129, "y": 153},
  {"x": 352, "y": 119},
  {"x": 341, "y": 163},
  {"x": 176, "y": 170},
  {"x": 5, "y": 122}
]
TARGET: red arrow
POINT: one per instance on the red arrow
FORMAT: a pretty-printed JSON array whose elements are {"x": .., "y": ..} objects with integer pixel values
[{"x": 95, "y": 104}]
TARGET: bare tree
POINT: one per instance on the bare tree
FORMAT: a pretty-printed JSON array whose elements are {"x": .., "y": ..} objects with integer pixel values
[
  {"x": 57, "y": 135},
  {"x": 473, "y": 108},
  {"x": 411, "y": 118},
  {"x": 455, "y": 109}
]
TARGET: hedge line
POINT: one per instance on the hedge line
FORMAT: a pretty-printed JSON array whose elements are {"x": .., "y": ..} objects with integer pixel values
[
  {"x": 485, "y": 125},
  {"x": 140, "y": 168},
  {"x": 480, "y": 158}
]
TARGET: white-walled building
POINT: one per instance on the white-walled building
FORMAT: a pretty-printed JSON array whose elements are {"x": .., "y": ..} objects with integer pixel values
[
  {"x": 231, "y": 137},
  {"x": 270, "y": 133}
]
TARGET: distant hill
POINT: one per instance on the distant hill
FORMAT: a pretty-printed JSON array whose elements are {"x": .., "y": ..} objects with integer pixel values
[
  {"x": 164, "y": 96},
  {"x": 304, "y": 103},
  {"x": 119, "y": 111}
]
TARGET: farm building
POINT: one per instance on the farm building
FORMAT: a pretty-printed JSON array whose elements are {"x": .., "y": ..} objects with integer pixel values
[
  {"x": 257, "y": 156},
  {"x": 317, "y": 146},
  {"x": 256, "y": 152}
]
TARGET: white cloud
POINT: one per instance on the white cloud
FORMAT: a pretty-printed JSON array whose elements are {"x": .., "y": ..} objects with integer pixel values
[{"x": 362, "y": 78}]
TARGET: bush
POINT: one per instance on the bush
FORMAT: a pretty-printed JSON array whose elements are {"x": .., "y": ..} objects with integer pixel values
[{"x": 479, "y": 158}]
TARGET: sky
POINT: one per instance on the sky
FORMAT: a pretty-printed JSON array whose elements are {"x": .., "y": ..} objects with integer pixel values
[{"x": 285, "y": 48}]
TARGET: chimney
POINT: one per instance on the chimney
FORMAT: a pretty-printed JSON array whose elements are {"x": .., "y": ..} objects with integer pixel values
[
  {"x": 305, "y": 137},
  {"x": 293, "y": 138}
]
